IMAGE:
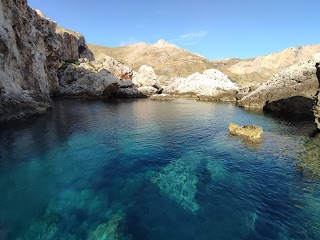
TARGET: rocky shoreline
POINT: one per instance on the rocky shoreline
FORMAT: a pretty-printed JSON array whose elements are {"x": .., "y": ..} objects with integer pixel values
[{"x": 39, "y": 59}]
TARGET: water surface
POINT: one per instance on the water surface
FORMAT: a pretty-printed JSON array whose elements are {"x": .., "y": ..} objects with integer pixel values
[{"x": 141, "y": 169}]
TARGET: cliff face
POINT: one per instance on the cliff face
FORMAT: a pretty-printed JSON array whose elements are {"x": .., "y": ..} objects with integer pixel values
[
  {"x": 31, "y": 47},
  {"x": 289, "y": 92},
  {"x": 316, "y": 107}
]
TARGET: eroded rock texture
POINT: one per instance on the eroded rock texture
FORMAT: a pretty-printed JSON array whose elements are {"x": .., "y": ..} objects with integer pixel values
[
  {"x": 289, "y": 92},
  {"x": 31, "y": 47}
]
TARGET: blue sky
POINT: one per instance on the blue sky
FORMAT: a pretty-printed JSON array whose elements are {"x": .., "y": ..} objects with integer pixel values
[{"x": 214, "y": 29}]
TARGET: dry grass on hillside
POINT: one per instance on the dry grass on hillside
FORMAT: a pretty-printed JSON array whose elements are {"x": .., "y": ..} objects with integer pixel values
[{"x": 171, "y": 61}]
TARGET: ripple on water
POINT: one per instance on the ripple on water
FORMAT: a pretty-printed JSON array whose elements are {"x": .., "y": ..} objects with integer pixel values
[{"x": 139, "y": 169}]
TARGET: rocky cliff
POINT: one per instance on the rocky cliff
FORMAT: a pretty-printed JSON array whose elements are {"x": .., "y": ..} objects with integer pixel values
[
  {"x": 260, "y": 69},
  {"x": 289, "y": 92},
  {"x": 31, "y": 47},
  {"x": 105, "y": 78},
  {"x": 316, "y": 107}
]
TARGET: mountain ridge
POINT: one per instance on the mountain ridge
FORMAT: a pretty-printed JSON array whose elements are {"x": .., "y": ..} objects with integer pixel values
[{"x": 172, "y": 61}]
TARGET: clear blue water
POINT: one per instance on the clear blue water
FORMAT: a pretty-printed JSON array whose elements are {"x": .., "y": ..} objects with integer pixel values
[{"x": 141, "y": 169}]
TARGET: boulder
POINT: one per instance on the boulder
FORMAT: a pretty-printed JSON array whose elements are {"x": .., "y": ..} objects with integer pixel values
[
  {"x": 78, "y": 81},
  {"x": 252, "y": 132},
  {"x": 118, "y": 69},
  {"x": 211, "y": 83},
  {"x": 145, "y": 77}
]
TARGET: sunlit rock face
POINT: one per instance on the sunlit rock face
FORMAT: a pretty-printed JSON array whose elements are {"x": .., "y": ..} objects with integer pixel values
[
  {"x": 290, "y": 91},
  {"x": 316, "y": 108},
  {"x": 252, "y": 132},
  {"x": 31, "y": 47},
  {"x": 105, "y": 78},
  {"x": 80, "y": 82},
  {"x": 210, "y": 83}
]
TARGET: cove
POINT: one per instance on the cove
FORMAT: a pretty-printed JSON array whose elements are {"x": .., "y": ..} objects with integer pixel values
[{"x": 141, "y": 169}]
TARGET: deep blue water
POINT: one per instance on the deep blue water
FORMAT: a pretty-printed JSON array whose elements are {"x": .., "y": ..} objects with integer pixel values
[{"x": 141, "y": 169}]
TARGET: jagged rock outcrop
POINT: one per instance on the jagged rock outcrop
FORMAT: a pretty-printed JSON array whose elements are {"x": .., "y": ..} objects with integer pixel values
[
  {"x": 61, "y": 45},
  {"x": 212, "y": 84},
  {"x": 105, "y": 78},
  {"x": 290, "y": 91},
  {"x": 79, "y": 81},
  {"x": 23, "y": 78},
  {"x": 316, "y": 107},
  {"x": 31, "y": 47},
  {"x": 118, "y": 69},
  {"x": 145, "y": 77},
  {"x": 258, "y": 70}
]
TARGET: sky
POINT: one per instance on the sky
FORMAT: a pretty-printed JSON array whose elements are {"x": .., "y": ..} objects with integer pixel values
[{"x": 211, "y": 28}]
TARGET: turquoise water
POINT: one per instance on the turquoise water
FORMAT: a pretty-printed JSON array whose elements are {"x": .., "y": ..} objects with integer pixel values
[{"x": 141, "y": 169}]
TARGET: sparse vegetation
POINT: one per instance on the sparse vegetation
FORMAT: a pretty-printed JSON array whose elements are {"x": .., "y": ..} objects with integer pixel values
[{"x": 64, "y": 64}]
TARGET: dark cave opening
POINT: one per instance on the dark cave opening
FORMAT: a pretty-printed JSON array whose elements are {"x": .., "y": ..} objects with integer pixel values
[{"x": 294, "y": 109}]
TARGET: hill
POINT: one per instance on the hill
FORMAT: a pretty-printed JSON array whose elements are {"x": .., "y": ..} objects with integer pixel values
[{"x": 171, "y": 61}]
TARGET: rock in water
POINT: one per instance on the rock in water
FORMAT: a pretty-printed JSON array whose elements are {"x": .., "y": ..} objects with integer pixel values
[
  {"x": 252, "y": 132},
  {"x": 78, "y": 81},
  {"x": 178, "y": 180},
  {"x": 296, "y": 85}
]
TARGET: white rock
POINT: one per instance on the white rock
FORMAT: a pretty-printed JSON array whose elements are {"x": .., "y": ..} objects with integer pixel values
[
  {"x": 145, "y": 77},
  {"x": 207, "y": 84},
  {"x": 316, "y": 57}
]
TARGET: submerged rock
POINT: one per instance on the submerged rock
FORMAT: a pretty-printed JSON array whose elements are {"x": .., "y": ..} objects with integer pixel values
[
  {"x": 309, "y": 162},
  {"x": 178, "y": 180},
  {"x": 249, "y": 131},
  {"x": 108, "y": 230}
]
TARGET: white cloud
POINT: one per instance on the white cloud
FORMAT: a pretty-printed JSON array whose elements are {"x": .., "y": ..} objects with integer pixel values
[
  {"x": 190, "y": 38},
  {"x": 128, "y": 42}
]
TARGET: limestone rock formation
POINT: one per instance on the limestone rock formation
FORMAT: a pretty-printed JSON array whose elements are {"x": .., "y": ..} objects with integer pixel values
[
  {"x": 78, "y": 81},
  {"x": 145, "y": 76},
  {"x": 291, "y": 91},
  {"x": 105, "y": 78},
  {"x": 316, "y": 107},
  {"x": 211, "y": 83},
  {"x": 258, "y": 70},
  {"x": 118, "y": 69},
  {"x": 23, "y": 79},
  {"x": 31, "y": 47},
  {"x": 146, "y": 81},
  {"x": 252, "y": 132}
]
